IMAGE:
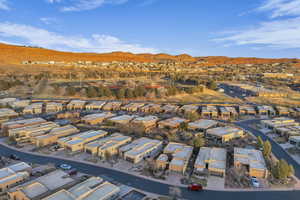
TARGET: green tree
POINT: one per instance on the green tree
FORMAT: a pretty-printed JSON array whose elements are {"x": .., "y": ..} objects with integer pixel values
[
  {"x": 120, "y": 93},
  {"x": 91, "y": 92},
  {"x": 107, "y": 92},
  {"x": 184, "y": 126},
  {"x": 70, "y": 91},
  {"x": 192, "y": 116},
  {"x": 291, "y": 170},
  {"x": 267, "y": 149},
  {"x": 284, "y": 169},
  {"x": 281, "y": 170},
  {"x": 260, "y": 142},
  {"x": 140, "y": 91},
  {"x": 199, "y": 142},
  {"x": 129, "y": 93},
  {"x": 212, "y": 85}
]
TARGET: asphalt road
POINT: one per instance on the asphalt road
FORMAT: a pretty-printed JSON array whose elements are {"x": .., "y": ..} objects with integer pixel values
[
  {"x": 232, "y": 92},
  {"x": 153, "y": 186}
]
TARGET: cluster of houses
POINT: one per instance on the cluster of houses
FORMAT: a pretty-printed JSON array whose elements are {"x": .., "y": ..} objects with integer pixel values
[
  {"x": 142, "y": 118},
  {"x": 213, "y": 160},
  {"x": 173, "y": 157},
  {"x": 285, "y": 127},
  {"x": 205, "y": 111},
  {"x": 17, "y": 182}
]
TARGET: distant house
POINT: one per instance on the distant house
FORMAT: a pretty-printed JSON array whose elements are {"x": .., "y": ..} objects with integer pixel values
[
  {"x": 141, "y": 148},
  {"x": 97, "y": 118},
  {"x": 122, "y": 122},
  {"x": 112, "y": 106},
  {"x": 209, "y": 111},
  {"x": 143, "y": 124},
  {"x": 202, "y": 125},
  {"x": 180, "y": 155},
  {"x": 171, "y": 123},
  {"x": 54, "y": 135},
  {"x": 6, "y": 126},
  {"x": 77, "y": 142},
  {"x": 107, "y": 146},
  {"x": 95, "y": 105},
  {"x": 76, "y": 105},
  {"x": 53, "y": 107},
  {"x": 34, "y": 108},
  {"x": 224, "y": 134}
]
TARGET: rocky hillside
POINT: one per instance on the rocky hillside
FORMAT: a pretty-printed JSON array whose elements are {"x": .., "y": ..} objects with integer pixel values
[{"x": 11, "y": 54}]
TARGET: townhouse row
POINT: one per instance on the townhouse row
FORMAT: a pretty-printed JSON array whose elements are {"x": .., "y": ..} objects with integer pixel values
[
  {"x": 207, "y": 111},
  {"x": 285, "y": 127}
]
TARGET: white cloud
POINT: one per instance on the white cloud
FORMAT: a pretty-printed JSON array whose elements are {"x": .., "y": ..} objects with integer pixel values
[
  {"x": 81, "y": 5},
  {"x": 281, "y": 8},
  {"x": 54, "y": 1},
  {"x": 278, "y": 32},
  {"x": 43, "y": 38},
  {"x": 48, "y": 20},
  {"x": 4, "y": 5}
]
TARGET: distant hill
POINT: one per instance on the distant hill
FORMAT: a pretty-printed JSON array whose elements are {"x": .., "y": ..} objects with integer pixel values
[{"x": 12, "y": 54}]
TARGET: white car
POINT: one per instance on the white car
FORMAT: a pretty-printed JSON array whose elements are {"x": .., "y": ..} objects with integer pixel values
[
  {"x": 255, "y": 182},
  {"x": 65, "y": 167}
]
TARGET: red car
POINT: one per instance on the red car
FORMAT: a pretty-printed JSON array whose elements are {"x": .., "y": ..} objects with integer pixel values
[{"x": 195, "y": 187}]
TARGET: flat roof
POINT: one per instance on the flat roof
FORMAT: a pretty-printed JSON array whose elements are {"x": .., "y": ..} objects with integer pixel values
[
  {"x": 145, "y": 119},
  {"x": 61, "y": 195},
  {"x": 173, "y": 121},
  {"x": 43, "y": 184},
  {"x": 253, "y": 158},
  {"x": 24, "y": 121},
  {"x": 179, "y": 151},
  {"x": 91, "y": 189},
  {"x": 21, "y": 166},
  {"x": 103, "y": 192},
  {"x": 5, "y": 172},
  {"x": 139, "y": 146},
  {"x": 202, "y": 124},
  {"x": 122, "y": 118},
  {"x": 98, "y": 115},
  {"x": 221, "y": 131},
  {"x": 215, "y": 157},
  {"x": 85, "y": 186},
  {"x": 17, "y": 176}
]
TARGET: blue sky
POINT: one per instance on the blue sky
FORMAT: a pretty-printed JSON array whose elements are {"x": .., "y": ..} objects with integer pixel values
[{"x": 249, "y": 28}]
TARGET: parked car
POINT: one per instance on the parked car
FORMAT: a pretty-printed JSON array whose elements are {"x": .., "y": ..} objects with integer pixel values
[
  {"x": 14, "y": 157},
  {"x": 255, "y": 182},
  {"x": 65, "y": 167},
  {"x": 195, "y": 187},
  {"x": 72, "y": 172}
]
